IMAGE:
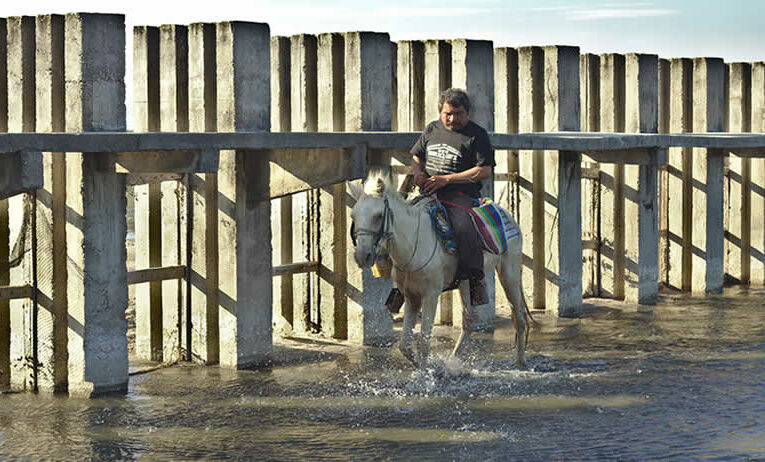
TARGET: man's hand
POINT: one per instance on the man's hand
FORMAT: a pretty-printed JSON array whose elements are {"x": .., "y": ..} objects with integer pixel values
[
  {"x": 434, "y": 183},
  {"x": 420, "y": 178}
]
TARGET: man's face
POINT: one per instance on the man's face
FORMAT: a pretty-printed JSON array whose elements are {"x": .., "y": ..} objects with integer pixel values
[{"x": 454, "y": 117}]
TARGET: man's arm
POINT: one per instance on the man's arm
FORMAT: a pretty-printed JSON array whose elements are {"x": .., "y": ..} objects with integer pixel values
[
  {"x": 471, "y": 175},
  {"x": 419, "y": 172}
]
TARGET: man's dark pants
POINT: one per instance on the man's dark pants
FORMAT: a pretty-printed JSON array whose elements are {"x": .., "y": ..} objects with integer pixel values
[{"x": 469, "y": 249}]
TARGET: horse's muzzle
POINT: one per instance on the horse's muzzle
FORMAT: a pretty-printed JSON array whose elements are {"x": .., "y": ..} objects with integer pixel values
[{"x": 364, "y": 258}]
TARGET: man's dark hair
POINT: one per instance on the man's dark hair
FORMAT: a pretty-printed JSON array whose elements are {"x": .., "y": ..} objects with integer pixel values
[{"x": 454, "y": 97}]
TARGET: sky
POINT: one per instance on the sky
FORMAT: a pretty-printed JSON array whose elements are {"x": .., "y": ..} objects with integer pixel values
[{"x": 733, "y": 30}]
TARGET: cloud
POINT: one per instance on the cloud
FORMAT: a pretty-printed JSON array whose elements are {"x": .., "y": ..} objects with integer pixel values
[{"x": 615, "y": 13}]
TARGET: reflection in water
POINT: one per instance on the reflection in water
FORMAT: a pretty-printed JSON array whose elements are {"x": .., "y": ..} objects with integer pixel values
[{"x": 683, "y": 380}]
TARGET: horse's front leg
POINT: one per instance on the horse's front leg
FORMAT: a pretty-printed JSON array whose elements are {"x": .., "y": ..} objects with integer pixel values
[
  {"x": 426, "y": 327},
  {"x": 411, "y": 306},
  {"x": 469, "y": 317}
]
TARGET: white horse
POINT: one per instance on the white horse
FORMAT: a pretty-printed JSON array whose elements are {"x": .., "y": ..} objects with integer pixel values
[{"x": 422, "y": 269}]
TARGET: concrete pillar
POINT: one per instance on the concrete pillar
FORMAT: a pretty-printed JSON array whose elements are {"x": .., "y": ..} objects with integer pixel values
[
  {"x": 680, "y": 160},
  {"x": 332, "y": 236},
  {"x": 757, "y": 176},
  {"x": 148, "y": 202},
  {"x": 506, "y": 121},
  {"x": 531, "y": 174},
  {"x": 438, "y": 74},
  {"x": 612, "y": 180},
  {"x": 174, "y": 117},
  {"x": 304, "y": 118},
  {"x": 738, "y": 240},
  {"x": 367, "y": 108},
  {"x": 244, "y": 228},
  {"x": 473, "y": 71},
  {"x": 203, "y": 104},
  {"x": 96, "y": 207},
  {"x": 51, "y": 209},
  {"x": 589, "y": 82},
  {"x": 664, "y": 102},
  {"x": 5, "y": 312},
  {"x": 281, "y": 208},
  {"x": 411, "y": 86},
  {"x": 563, "y": 219},
  {"x": 707, "y": 237},
  {"x": 641, "y": 243},
  {"x": 21, "y": 118}
]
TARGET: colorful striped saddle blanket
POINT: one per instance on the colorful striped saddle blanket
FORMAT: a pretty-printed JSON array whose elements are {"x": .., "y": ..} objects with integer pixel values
[{"x": 495, "y": 226}]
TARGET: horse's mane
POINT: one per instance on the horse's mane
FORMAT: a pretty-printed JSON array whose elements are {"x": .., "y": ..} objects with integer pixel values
[{"x": 379, "y": 184}]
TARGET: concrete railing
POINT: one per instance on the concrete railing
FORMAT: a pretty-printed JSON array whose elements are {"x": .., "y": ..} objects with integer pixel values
[{"x": 247, "y": 227}]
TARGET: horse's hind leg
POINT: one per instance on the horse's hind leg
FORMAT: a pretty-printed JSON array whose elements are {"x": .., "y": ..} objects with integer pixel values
[
  {"x": 410, "y": 318},
  {"x": 467, "y": 319},
  {"x": 509, "y": 272}
]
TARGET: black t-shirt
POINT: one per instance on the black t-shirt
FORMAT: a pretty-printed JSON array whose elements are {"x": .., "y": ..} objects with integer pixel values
[{"x": 444, "y": 151}]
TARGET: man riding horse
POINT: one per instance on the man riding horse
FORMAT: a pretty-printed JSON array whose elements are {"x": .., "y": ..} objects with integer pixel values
[{"x": 450, "y": 159}]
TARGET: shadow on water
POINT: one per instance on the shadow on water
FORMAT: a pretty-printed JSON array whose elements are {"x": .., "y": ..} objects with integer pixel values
[{"x": 681, "y": 380}]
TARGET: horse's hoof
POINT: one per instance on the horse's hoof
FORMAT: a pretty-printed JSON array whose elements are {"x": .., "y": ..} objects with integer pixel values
[{"x": 408, "y": 354}]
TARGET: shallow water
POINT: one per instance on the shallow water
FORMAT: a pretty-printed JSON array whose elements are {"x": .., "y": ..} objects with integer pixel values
[{"x": 684, "y": 380}]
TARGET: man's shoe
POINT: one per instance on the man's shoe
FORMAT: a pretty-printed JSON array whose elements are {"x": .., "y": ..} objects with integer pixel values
[
  {"x": 394, "y": 301},
  {"x": 478, "y": 293}
]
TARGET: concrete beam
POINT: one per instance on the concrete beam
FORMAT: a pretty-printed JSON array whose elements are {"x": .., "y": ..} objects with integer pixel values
[
  {"x": 200, "y": 161},
  {"x": 563, "y": 218},
  {"x": 708, "y": 116},
  {"x": 296, "y": 170},
  {"x": 20, "y": 172},
  {"x": 244, "y": 225},
  {"x": 96, "y": 208},
  {"x": 641, "y": 183}
]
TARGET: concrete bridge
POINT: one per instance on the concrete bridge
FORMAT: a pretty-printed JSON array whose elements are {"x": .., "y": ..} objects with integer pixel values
[{"x": 241, "y": 146}]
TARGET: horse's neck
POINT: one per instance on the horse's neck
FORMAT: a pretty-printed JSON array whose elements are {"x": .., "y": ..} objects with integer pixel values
[{"x": 405, "y": 229}]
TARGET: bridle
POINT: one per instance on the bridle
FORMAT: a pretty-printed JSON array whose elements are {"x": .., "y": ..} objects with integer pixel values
[{"x": 383, "y": 235}]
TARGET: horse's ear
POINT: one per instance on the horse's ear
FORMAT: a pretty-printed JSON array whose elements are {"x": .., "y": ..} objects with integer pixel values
[{"x": 356, "y": 191}]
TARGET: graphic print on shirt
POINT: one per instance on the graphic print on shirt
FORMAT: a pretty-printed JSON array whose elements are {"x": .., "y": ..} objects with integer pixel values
[{"x": 441, "y": 159}]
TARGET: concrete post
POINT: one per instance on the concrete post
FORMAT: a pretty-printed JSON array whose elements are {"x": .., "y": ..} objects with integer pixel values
[
  {"x": 21, "y": 118},
  {"x": 664, "y": 102},
  {"x": 438, "y": 74},
  {"x": 679, "y": 171},
  {"x": 203, "y": 100},
  {"x": 174, "y": 117},
  {"x": 244, "y": 85},
  {"x": 738, "y": 236},
  {"x": 641, "y": 243},
  {"x": 148, "y": 203},
  {"x": 96, "y": 207},
  {"x": 304, "y": 107},
  {"x": 612, "y": 180},
  {"x": 332, "y": 237},
  {"x": 5, "y": 306},
  {"x": 531, "y": 174},
  {"x": 281, "y": 208},
  {"x": 506, "y": 121},
  {"x": 757, "y": 174},
  {"x": 51, "y": 209},
  {"x": 411, "y": 86},
  {"x": 473, "y": 71},
  {"x": 563, "y": 219},
  {"x": 589, "y": 82},
  {"x": 367, "y": 108},
  {"x": 708, "y": 116}
]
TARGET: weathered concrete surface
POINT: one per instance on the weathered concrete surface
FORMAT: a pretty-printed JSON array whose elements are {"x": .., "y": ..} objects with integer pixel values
[
  {"x": 20, "y": 172},
  {"x": 51, "y": 209},
  {"x": 708, "y": 116},
  {"x": 738, "y": 235},
  {"x": 5, "y": 313},
  {"x": 96, "y": 207},
  {"x": 589, "y": 82},
  {"x": 641, "y": 243},
  {"x": 757, "y": 237},
  {"x": 531, "y": 174},
  {"x": 612, "y": 119},
  {"x": 244, "y": 228},
  {"x": 367, "y": 107},
  {"x": 563, "y": 219},
  {"x": 21, "y": 118},
  {"x": 204, "y": 240}
]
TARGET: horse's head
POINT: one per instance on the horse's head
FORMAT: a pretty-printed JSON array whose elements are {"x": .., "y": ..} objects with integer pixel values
[{"x": 371, "y": 217}]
